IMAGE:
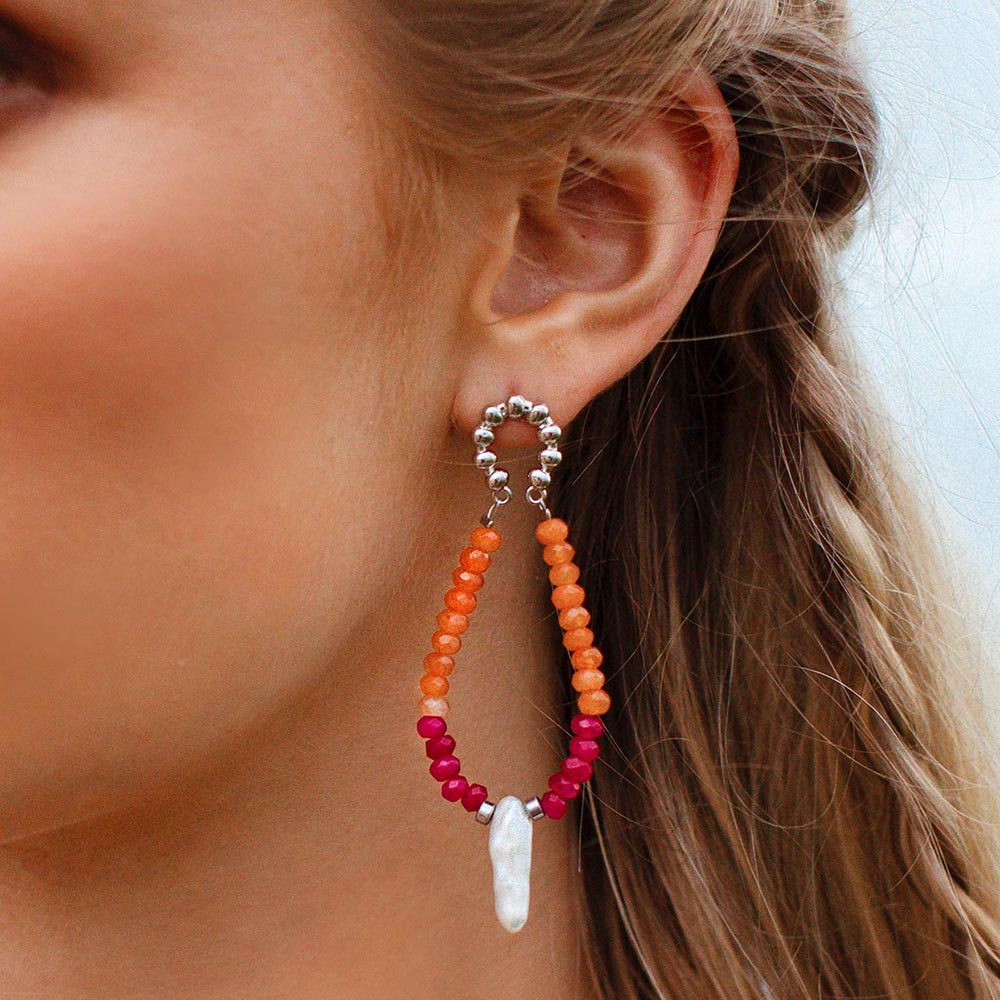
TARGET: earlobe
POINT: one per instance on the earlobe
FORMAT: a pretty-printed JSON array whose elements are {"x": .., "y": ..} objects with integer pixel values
[{"x": 583, "y": 279}]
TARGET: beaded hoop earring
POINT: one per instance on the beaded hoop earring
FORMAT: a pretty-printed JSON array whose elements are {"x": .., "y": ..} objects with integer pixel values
[{"x": 510, "y": 819}]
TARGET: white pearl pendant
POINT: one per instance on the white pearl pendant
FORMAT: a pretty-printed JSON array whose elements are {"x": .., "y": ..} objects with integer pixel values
[{"x": 510, "y": 853}]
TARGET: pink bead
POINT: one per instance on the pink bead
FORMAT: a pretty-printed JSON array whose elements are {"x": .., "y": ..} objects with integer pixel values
[
  {"x": 454, "y": 788},
  {"x": 563, "y": 787},
  {"x": 474, "y": 797},
  {"x": 589, "y": 727},
  {"x": 440, "y": 746},
  {"x": 431, "y": 725},
  {"x": 553, "y": 806},
  {"x": 587, "y": 750},
  {"x": 445, "y": 767},
  {"x": 576, "y": 769}
]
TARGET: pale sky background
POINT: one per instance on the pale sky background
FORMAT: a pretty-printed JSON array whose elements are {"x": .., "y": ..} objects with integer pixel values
[{"x": 925, "y": 275}]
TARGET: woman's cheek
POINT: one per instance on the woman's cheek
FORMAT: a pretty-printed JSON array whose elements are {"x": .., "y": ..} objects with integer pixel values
[{"x": 165, "y": 466}]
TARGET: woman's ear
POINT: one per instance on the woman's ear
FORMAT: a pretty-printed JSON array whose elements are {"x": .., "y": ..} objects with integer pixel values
[{"x": 582, "y": 272}]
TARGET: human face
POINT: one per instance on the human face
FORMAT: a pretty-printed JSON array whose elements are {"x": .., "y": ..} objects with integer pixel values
[{"x": 199, "y": 494}]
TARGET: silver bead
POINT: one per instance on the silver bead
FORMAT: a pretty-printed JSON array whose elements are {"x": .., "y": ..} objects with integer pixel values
[
  {"x": 485, "y": 812},
  {"x": 517, "y": 406},
  {"x": 538, "y": 413},
  {"x": 534, "y": 808},
  {"x": 539, "y": 478},
  {"x": 495, "y": 415},
  {"x": 498, "y": 479},
  {"x": 550, "y": 433},
  {"x": 486, "y": 459},
  {"x": 550, "y": 457},
  {"x": 483, "y": 436}
]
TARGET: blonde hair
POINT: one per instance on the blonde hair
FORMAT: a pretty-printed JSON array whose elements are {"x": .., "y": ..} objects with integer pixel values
[{"x": 794, "y": 801}]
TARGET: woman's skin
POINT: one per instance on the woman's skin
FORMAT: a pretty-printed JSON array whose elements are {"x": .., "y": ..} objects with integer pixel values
[{"x": 236, "y": 476}]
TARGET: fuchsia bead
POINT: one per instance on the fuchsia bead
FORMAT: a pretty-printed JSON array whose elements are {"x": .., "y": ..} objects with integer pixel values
[
  {"x": 431, "y": 725},
  {"x": 589, "y": 727},
  {"x": 454, "y": 788},
  {"x": 440, "y": 746},
  {"x": 563, "y": 787},
  {"x": 587, "y": 750},
  {"x": 576, "y": 769},
  {"x": 474, "y": 797},
  {"x": 553, "y": 805},
  {"x": 445, "y": 767}
]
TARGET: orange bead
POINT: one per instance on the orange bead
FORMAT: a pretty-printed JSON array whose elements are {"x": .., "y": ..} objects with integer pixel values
[
  {"x": 588, "y": 680},
  {"x": 487, "y": 539},
  {"x": 567, "y": 572},
  {"x": 587, "y": 659},
  {"x": 465, "y": 580},
  {"x": 452, "y": 622},
  {"x": 474, "y": 560},
  {"x": 568, "y": 595},
  {"x": 593, "y": 702},
  {"x": 575, "y": 617},
  {"x": 462, "y": 601},
  {"x": 444, "y": 643},
  {"x": 578, "y": 638},
  {"x": 439, "y": 663},
  {"x": 552, "y": 529},
  {"x": 433, "y": 705},
  {"x": 558, "y": 552},
  {"x": 434, "y": 685}
]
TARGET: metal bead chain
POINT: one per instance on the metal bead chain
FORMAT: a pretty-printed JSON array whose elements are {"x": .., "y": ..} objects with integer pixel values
[{"x": 549, "y": 432}]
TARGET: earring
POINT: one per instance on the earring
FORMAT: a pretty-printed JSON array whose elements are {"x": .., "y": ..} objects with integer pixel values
[{"x": 510, "y": 819}]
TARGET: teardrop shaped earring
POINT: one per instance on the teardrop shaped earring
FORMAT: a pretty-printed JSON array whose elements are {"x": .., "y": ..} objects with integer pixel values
[{"x": 510, "y": 819}]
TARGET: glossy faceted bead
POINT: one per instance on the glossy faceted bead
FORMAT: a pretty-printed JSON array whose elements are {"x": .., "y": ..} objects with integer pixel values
[
  {"x": 576, "y": 769},
  {"x": 439, "y": 663},
  {"x": 568, "y": 595},
  {"x": 452, "y": 621},
  {"x": 486, "y": 539},
  {"x": 445, "y": 767},
  {"x": 563, "y": 787},
  {"x": 587, "y": 726},
  {"x": 588, "y": 680},
  {"x": 578, "y": 638},
  {"x": 551, "y": 530},
  {"x": 431, "y": 725},
  {"x": 585, "y": 749},
  {"x": 434, "y": 685},
  {"x": 445, "y": 643},
  {"x": 575, "y": 617},
  {"x": 567, "y": 572},
  {"x": 440, "y": 746},
  {"x": 558, "y": 552},
  {"x": 554, "y": 806},
  {"x": 474, "y": 796},
  {"x": 594, "y": 702},
  {"x": 465, "y": 580},
  {"x": 475, "y": 560},
  {"x": 432, "y": 705},
  {"x": 587, "y": 659},
  {"x": 454, "y": 788},
  {"x": 462, "y": 601}
]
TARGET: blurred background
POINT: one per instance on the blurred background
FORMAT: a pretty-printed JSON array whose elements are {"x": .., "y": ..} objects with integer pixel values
[{"x": 924, "y": 274}]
